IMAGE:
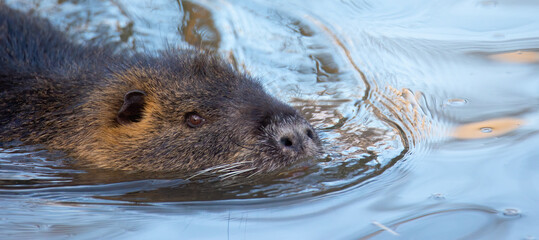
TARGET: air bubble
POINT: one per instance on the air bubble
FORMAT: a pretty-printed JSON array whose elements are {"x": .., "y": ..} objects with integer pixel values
[
  {"x": 437, "y": 196},
  {"x": 456, "y": 102},
  {"x": 485, "y": 130},
  {"x": 511, "y": 212}
]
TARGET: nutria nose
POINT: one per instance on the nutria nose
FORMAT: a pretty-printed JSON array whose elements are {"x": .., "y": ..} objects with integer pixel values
[{"x": 297, "y": 140}]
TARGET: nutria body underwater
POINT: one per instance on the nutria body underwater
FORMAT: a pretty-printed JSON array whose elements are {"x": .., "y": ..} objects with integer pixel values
[{"x": 175, "y": 111}]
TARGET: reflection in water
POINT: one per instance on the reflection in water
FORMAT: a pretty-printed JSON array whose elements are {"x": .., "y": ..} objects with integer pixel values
[
  {"x": 396, "y": 91},
  {"x": 197, "y": 27},
  {"x": 488, "y": 128},
  {"x": 470, "y": 222},
  {"x": 517, "y": 57}
]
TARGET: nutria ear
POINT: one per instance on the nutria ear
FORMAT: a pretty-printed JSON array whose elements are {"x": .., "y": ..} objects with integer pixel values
[{"x": 132, "y": 108}]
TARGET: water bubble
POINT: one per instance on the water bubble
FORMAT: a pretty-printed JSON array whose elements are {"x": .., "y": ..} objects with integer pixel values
[
  {"x": 437, "y": 196},
  {"x": 486, "y": 130},
  {"x": 43, "y": 227},
  {"x": 511, "y": 212},
  {"x": 456, "y": 102}
]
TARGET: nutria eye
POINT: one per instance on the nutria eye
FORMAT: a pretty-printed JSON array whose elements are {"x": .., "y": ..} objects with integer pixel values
[{"x": 194, "y": 120}]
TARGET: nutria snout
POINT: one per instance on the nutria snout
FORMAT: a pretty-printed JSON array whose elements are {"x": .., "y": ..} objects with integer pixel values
[
  {"x": 179, "y": 110},
  {"x": 294, "y": 137}
]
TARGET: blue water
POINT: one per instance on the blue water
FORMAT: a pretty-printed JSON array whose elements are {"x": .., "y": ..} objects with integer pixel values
[{"x": 428, "y": 110}]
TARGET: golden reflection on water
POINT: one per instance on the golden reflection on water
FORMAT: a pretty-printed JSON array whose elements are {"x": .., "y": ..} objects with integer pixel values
[
  {"x": 488, "y": 128},
  {"x": 197, "y": 27},
  {"x": 517, "y": 57}
]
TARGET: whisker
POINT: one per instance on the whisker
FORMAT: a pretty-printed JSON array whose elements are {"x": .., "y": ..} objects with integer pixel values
[
  {"x": 235, "y": 173},
  {"x": 255, "y": 173},
  {"x": 219, "y": 168},
  {"x": 233, "y": 165},
  {"x": 208, "y": 170}
]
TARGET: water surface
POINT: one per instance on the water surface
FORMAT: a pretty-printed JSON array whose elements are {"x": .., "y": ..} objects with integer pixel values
[{"x": 428, "y": 110}]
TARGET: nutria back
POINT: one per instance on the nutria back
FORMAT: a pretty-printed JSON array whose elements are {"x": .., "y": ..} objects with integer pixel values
[{"x": 178, "y": 110}]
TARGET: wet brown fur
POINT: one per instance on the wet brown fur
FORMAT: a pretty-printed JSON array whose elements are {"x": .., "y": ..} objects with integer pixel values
[{"x": 67, "y": 96}]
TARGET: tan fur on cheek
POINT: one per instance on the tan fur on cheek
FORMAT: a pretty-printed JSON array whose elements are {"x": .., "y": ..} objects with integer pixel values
[{"x": 129, "y": 134}]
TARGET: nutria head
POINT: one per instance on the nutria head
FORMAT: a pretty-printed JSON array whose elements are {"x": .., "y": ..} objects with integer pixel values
[{"x": 185, "y": 112}]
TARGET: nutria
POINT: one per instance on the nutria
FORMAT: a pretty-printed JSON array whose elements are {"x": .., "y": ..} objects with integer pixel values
[{"x": 177, "y": 110}]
